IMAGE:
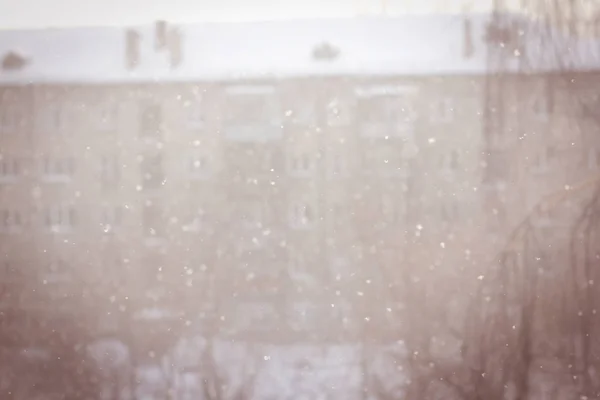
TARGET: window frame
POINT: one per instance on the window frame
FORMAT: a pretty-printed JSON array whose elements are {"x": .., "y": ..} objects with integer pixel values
[
  {"x": 111, "y": 217},
  {"x": 302, "y": 215},
  {"x": 443, "y": 110},
  {"x": 542, "y": 160},
  {"x": 151, "y": 120},
  {"x": 11, "y": 220},
  {"x": 10, "y": 169},
  {"x": 58, "y": 169},
  {"x": 202, "y": 171},
  {"x": 301, "y": 164},
  {"x": 339, "y": 112},
  {"x": 149, "y": 165},
  {"x": 109, "y": 170},
  {"x": 263, "y": 95},
  {"x": 196, "y": 221},
  {"x": 195, "y": 113},
  {"x": 593, "y": 158},
  {"x": 108, "y": 116},
  {"x": 12, "y": 118},
  {"x": 53, "y": 117},
  {"x": 153, "y": 225},
  {"x": 60, "y": 217}
]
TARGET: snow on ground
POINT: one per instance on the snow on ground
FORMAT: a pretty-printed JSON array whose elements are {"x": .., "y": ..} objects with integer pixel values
[{"x": 263, "y": 371}]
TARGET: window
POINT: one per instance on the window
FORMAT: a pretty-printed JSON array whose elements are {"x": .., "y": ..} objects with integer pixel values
[
  {"x": 302, "y": 114},
  {"x": 454, "y": 160},
  {"x": 390, "y": 209},
  {"x": 8, "y": 269},
  {"x": 450, "y": 211},
  {"x": 345, "y": 314},
  {"x": 443, "y": 110},
  {"x": 499, "y": 214},
  {"x": 370, "y": 159},
  {"x": 302, "y": 215},
  {"x": 152, "y": 220},
  {"x": 301, "y": 164},
  {"x": 9, "y": 169},
  {"x": 111, "y": 217},
  {"x": 338, "y": 113},
  {"x": 154, "y": 261},
  {"x": 53, "y": 118},
  {"x": 112, "y": 262},
  {"x": 152, "y": 171},
  {"x": 11, "y": 118},
  {"x": 450, "y": 161},
  {"x": 60, "y": 217},
  {"x": 197, "y": 220},
  {"x": 384, "y": 161},
  {"x": 543, "y": 159},
  {"x": 304, "y": 315},
  {"x": 248, "y": 110},
  {"x": 336, "y": 214},
  {"x": 252, "y": 114},
  {"x": 253, "y": 213},
  {"x": 252, "y": 105},
  {"x": 540, "y": 105},
  {"x": 337, "y": 165},
  {"x": 57, "y": 271},
  {"x": 384, "y": 109},
  {"x": 195, "y": 114},
  {"x": 11, "y": 220},
  {"x": 151, "y": 121},
  {"x": 269, "y": 161},
  {"x": 110, "y": 172},
  {"x": 107, "y": 116},
  {"x": 546, "y": 216},
  {"x": 593, "y": 158},
  {"x": 496, "y": 167},
  {"x": 199, "y": 166},
  {"x": 296, "y": 261},
  {"x": 58, "y": 169}
]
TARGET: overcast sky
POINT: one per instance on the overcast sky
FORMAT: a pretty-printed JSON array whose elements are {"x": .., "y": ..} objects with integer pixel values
[{"x": 50, "y": 13}]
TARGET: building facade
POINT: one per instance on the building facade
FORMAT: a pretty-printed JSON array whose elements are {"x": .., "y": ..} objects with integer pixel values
[{"x": 270, "y": 203}]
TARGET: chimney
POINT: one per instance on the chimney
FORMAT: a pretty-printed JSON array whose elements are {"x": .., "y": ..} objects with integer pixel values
[
  {"x": 325, "y": 52},
  {"x": 132, "y": 49},
  {"x": 160, "y": 35},
  {"x": 468, "y": 49},
  {"x": 175, "y": 53},
  {"x": 13, "y": 61}
]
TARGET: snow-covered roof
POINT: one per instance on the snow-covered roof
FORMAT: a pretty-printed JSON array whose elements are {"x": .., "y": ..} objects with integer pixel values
[
  {"x": 411, "y": 45},
  {"x": 432, "y": 44},
  {"x": 154, "y": 313}
]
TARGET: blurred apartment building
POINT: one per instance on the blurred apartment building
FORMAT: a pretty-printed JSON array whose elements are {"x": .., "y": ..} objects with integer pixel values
[{"x": 276, "y": 175}]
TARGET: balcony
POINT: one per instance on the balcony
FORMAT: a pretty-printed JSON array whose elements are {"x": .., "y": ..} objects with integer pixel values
[
  {"x": 56, "y": 178},
  {"x": 196, "y": 225},
  {"x": 501, "y": 142},
  {"x": 11, "y": 229},
  {"x": 154, "y": 241},
  {"x": 111, "y": 232},
  {"x": 9, "y": 170},
  {"x": 59, "y": 229},
  {"x": 384, "y": 130},
  {"x": 254, "y": 132},
  {"x": 8, "y": 179}
]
